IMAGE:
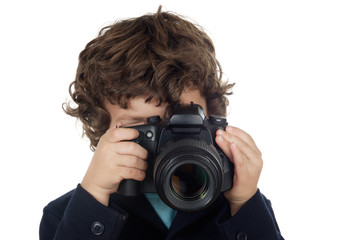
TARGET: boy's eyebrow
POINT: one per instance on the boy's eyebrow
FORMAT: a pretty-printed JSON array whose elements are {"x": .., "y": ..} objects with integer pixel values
[{"x": 130, "y": 119}]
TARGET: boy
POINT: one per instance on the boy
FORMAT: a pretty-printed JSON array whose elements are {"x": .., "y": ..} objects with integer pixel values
[{"x": 134, "y": 69}]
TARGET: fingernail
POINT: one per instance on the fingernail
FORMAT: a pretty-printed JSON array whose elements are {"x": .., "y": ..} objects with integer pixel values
[
  {"x": 220, "y": 132},
  {"x": 119, "y": 125}
]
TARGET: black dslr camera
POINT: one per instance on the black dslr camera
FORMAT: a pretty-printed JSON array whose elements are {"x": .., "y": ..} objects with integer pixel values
[{"x": 185, "y": 166}]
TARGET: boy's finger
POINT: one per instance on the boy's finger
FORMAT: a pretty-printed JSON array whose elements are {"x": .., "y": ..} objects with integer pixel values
[
  {"x": 238, "y": 157},
  {"x": 133, "y": 162},
  {"x": 224, "y": 145},
  {"x": 130, "y": 148},
  {"x": 249, "y": 152},
  {"x": 244, "y": 136},
  {"x": 131, "y": 173},
  {"x": 114, "y": 135}
]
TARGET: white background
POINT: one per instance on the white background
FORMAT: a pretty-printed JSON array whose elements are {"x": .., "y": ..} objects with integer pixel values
[{"x": 297, "y": 65}]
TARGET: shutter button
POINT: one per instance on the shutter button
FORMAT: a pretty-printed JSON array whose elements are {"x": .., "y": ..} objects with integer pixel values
[{"x": 97, "y": 228}]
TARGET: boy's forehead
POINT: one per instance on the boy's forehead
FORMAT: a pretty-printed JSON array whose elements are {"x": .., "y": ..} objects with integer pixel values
[{"x": 138, "y": 108}]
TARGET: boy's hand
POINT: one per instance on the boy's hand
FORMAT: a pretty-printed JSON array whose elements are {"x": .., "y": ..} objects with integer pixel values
[
  {"x": 116, "y": 158},
  {"x": 247, "y": 160}
]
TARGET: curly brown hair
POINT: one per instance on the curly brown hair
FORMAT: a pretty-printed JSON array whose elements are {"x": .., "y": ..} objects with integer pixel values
[{"x": 155, "y": 55}]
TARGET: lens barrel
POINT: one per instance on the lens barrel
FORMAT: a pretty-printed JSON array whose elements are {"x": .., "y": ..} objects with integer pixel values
[{"x": 188, "y": 174}]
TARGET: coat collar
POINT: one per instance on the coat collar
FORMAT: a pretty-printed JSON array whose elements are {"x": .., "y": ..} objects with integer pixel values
[{"x": 140, "y": 207}]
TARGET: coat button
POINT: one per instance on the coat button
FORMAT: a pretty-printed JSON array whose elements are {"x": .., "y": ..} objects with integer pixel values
[
  {"x": 97, "y": 228},
  {"x": 241, "y": 236}
]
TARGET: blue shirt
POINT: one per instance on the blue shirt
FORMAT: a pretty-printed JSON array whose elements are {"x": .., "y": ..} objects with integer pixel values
[{"x": 166, "y": 213}]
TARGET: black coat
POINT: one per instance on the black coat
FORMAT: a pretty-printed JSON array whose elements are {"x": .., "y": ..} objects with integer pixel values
[{"x": 77, "y": 215}]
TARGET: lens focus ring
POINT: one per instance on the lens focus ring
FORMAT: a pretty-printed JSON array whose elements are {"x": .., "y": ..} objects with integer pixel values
[{"x": 179, "y": 188}]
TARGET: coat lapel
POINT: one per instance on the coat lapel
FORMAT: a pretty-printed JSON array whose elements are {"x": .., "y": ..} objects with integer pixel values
[
  {"x": 185, "y": 219},
  {"x": 140, "y": 207}
]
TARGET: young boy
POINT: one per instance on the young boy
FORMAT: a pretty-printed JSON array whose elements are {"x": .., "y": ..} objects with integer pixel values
[{"x": 134, "y": 69}]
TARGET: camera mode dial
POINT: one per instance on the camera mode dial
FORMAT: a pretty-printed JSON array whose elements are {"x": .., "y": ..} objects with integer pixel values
[{"x": 153, "y": 119}]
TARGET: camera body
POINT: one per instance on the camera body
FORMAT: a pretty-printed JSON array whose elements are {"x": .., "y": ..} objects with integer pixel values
[{"x": 185, "y": 166}]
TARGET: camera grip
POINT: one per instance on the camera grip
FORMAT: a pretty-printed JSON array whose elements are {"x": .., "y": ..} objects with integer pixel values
[{"x": 129, "y": 187}]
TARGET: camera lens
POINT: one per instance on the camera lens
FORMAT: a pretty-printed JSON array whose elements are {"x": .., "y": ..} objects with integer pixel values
[
  {"x": 188, "y": 174},
  {"x": 189, "y": 181}
]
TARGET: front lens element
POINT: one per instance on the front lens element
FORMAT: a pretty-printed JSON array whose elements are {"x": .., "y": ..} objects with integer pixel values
[{"x": 189, "y": 181}]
